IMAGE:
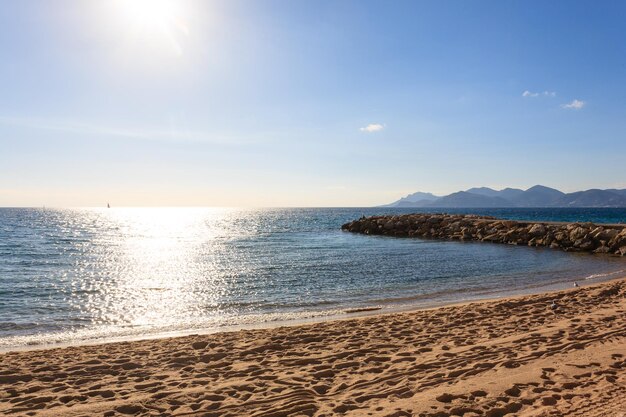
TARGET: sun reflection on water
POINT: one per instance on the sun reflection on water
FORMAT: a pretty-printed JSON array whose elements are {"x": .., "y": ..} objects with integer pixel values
[{"x": 153, "y": 275}]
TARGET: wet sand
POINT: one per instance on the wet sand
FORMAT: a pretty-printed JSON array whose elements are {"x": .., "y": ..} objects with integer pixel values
[{"x": 513, "y": 356}]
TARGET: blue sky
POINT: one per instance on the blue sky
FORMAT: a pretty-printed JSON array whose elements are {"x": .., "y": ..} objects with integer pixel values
[{"x": 268, "y": 103}]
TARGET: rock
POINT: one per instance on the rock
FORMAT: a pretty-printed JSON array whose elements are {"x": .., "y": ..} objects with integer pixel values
[
  {"x": 606, "y": 234},
  {"x": 494, "y": 237},
  {"x": 566, "y": 243},
  {"x": 537, "y": 230},
  {"x": 602, "y": 249},
  {"x": 577, "y": 233},
  {"x": 597, "y": 230},
  {"x": 586, "y": 245}
]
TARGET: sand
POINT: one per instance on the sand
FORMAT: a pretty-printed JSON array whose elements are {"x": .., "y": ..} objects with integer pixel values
[{"x": 508, "y": 357}]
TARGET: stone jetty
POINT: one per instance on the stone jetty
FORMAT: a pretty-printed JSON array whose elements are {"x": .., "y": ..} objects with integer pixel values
[{"x": 580, "y": 237}]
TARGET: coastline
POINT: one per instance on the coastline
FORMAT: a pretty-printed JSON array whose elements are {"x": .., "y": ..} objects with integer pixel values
[
  {"x": 387, "y": 306},
  {"x": 512, "y": 354}
]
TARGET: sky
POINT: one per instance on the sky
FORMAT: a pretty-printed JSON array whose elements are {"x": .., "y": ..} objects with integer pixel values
[{"x": 306, "y": 103}]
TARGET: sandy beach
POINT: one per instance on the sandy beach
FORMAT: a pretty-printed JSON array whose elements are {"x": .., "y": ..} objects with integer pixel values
[{"x": 514, "y": 356}]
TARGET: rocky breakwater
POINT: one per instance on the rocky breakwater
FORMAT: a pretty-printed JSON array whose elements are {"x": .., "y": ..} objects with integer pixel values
[{"x": 581, "y": 237}]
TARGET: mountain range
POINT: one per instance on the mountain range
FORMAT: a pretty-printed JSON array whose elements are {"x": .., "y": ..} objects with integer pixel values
[{"x": 537, "y": 196}]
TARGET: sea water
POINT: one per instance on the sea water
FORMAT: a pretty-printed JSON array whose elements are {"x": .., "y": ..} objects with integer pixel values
[{"x": 89, "y": 275}]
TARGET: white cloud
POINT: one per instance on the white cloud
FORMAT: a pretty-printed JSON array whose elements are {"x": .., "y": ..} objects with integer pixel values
[
  {"x": 575, "y": 104},
  {"x": 546, "y": 93},
  {"x": 372, "y": 127}
]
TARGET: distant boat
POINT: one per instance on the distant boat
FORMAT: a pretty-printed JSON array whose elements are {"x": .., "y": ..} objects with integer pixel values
[{"x": 108, "y": 205}]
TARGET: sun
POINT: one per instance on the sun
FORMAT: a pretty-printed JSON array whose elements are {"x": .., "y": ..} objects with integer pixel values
[
  {"x": 152, "y": 15},
  {"x": 155, "y": 24}
]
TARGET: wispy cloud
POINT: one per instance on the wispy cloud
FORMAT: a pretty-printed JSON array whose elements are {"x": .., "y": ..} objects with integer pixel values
[
  {"x": 88, "y": 129},
  {"x": 78, "y": 127},
  {"x": 574, "y": 105},
  {"x": 372, "y": 127},
  {"x": 546, "y": 93}
]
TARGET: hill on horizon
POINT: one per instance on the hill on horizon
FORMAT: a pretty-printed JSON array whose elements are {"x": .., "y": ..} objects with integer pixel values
[{"x": 536, "y": 196}]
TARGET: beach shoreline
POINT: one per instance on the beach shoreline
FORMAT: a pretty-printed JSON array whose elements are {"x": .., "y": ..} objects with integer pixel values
[
  {"x": 515, "y": 355},
  {"x": 392, "y": 306}
]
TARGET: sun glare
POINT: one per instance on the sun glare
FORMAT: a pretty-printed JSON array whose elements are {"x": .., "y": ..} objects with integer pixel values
[
  {"x": 159, "y": 24},
  {"x": 150, "y": 13},
  {"x": 163, "y": 16}
]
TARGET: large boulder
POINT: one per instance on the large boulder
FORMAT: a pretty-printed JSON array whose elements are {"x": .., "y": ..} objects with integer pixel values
[
  {"x": 537, "y": 230},
  {"x": 577, "y": 233}
]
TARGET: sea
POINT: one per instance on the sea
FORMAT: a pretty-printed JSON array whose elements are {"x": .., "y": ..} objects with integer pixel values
[{"x": 89, "y": 275}]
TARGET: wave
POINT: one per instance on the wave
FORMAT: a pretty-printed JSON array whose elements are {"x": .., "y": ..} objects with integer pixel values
[
  {"x": 607, "y": 274},
  {"x": 105, "y": 334}
]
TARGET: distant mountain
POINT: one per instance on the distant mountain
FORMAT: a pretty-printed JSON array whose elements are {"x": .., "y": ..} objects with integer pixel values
[
  {"x": 419, "y": 203},
  {"x": 537, "y": 196},
  {"x": 620, "y": 192},
  {"x": 417, "y": 199},
  {"x": 418, "y": 196},
  {"x": 467, "y": 199},
  {"x": 510, "y": 193},
  {"x": 486, "y": 191},
  {"x": 592, "y": 198},
  {"x": 507, "y": 193}
]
